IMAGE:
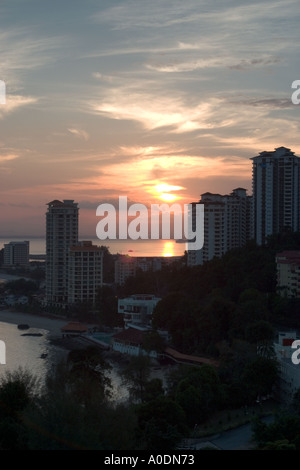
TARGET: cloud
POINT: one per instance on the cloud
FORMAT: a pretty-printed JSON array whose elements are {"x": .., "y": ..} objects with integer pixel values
[
  {"x": 79, "y": 133},
  {"x": 13, "y": 102},
  {"x": 156, "y": 111},
  {"x": 257, "y": 62},
  {"x": 272, "y": 103},
  {"x": 188, "y": 64},
  {"x": 21, "y": 51},
  {"x": 5, "y": 158}
]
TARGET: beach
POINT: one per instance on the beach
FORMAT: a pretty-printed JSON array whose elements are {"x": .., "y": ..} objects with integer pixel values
[
  {"x": 52, "y": 325},
  {"x": 59, "y": 348}
]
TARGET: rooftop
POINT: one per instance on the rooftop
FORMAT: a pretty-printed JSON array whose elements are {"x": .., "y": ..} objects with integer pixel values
[{"x": 74, "y": 327}]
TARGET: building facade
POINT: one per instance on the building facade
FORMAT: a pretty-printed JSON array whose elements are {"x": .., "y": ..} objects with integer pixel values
[
  {"x": 16, "y": 254},
  {"x": 137, "y": 310},
  {"x": 288, "y": 273},
  {"x": 289, "y": 377},
  {"x": 85, "y": 272},
  {"x": 125, "y": 267},
  {"x": 276, "y": 193},
  {"x": 61, "y": 234},
  {"x": 227, "y": 224}
]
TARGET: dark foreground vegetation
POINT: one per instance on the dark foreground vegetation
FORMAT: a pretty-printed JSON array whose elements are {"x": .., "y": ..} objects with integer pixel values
[{"x": 228, "y": 309}]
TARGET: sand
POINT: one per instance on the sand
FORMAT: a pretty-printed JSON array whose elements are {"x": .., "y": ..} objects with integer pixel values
[{"x": 53, "y": 325}]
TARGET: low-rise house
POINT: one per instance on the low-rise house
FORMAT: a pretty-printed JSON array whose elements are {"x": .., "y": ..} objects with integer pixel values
[
  {"x": 130, "y": 341},
  {"x": 137, "y": 309},
  {"x": 289, "y": 372}
]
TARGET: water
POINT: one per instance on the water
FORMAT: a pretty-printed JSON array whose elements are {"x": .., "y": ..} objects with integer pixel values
[
  {"x": 103, "y": 337},
  {"x": 25, "y": 351},
  {"x": 131, "y": 247}
]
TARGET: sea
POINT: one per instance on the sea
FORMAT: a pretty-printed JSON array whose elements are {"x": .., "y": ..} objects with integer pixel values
[
  {"x": 26, "y": 350},
  {"x": 141, "y": 248},
  {"x": 31, "y": 350}
]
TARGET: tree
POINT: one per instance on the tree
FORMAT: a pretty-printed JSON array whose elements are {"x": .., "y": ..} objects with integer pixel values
[
  {"x": 153, "y": 389},
  {"x": 161, "y": 424},
  {"x": 87, "y": 375},
  {"x": 108, "y": 265},
  {"x": 136, "y": 376},
  {"x": 262, "y": 334},
  {"x": 282, "y": 433},
  {"x": 18, "y": 389},
  {"x": 107, "y": 306},
  {"x": 21, "y": 286},
  {"x": 259, "y": 377},
  {"x": 152, "y": 341},
  {"x": 199, "y": 393}
]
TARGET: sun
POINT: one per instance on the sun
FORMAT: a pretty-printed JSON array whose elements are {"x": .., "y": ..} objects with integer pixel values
[{"x": 163, "y": 191}]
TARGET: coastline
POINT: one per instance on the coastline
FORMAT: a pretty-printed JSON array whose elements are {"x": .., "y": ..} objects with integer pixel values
[{"x": 52, "y": 325}]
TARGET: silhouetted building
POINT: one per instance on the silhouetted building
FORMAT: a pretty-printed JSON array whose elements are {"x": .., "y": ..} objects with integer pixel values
[
  {"x": 61, "y": 234},
  {"x": 85, "y": 272},
  {"x": 16, "y": 254},
  {"x": 227, "y": 224},
  {"x": 276, "y": 193}
]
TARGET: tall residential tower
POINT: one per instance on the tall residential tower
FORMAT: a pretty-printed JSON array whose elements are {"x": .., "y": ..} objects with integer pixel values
[
  {"x": 227, "y": 224},
  {"x": 61, "y": 234},
  {"x": 276, "y": 193}
]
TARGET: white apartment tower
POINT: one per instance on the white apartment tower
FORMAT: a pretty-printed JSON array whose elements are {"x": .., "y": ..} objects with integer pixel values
[
  {"x": 85, "y": 272},
  {"x": 227, "y": 224},
  {"x": 61, "y": 234},
  {"x": 276, "y": 192}
]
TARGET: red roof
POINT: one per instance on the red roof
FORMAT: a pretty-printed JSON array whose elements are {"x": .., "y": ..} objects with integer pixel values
[
  {"x": 74, "y": 327},
  {"x": 191, "y": 359},
  {"x": 83, "y": 248},
  {"x": 130, "y": 335},
  {"x": 287, "y": 341}
]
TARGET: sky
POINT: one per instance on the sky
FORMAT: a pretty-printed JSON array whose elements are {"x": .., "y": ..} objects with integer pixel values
[{"x": 160, "y": 100}]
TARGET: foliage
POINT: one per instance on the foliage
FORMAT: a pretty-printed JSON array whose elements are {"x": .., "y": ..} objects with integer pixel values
[
  {"x": 152, "y": 341},
  {"x": 107, "y": 307},
  {"x": 281, "y": 434},
  {"x": 161, "y": 424},
  {"x": 21, "y": 286},
  {"x": 136, "y": 375}
]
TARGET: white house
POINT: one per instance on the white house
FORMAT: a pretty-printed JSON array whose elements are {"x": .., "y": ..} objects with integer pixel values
[
  {"x": 137, "y": 309},
  {"x": 289, "y": 380}
]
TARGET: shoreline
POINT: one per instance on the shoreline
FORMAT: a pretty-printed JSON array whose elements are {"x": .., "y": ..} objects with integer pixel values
[{"x": 52, "y": 325}]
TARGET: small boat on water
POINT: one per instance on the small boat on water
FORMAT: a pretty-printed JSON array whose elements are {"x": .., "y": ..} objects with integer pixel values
[{"x": 23, "y": 326}]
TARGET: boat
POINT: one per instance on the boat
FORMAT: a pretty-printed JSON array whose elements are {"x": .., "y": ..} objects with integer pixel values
[{"x": 23, "y": 326}]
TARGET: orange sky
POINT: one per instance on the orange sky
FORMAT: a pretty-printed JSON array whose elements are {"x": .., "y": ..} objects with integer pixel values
[{"x": 105, "y": 99}]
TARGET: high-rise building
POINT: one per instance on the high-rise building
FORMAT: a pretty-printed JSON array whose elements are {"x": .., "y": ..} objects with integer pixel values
[
  {"x": 288, "y": 273},
  {"x": 227, "y": 224},
  {"x": 125, "y": 266},
  {"x": 61, "y": 234},
  {"x": 276, "y": 193},
  {"x": 16, "y": 254},
  {"x": 85, "y": 272}
]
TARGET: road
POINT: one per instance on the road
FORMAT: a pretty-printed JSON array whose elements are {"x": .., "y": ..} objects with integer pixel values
[{"x": 234, "y": 439}]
